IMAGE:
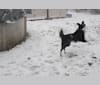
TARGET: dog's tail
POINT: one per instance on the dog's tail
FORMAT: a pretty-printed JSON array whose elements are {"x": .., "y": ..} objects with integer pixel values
[{"x": 61, "y": 33}]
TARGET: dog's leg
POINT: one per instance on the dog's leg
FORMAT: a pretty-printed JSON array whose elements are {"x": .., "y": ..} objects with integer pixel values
[
  {"x": 83, "y": 37},
  {"x": 61, "y": 52}
]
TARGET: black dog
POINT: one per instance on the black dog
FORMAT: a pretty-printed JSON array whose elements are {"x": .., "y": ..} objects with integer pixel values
[{"x": 78, "y": 35}]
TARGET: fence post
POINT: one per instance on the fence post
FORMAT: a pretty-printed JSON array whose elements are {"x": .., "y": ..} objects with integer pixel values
[{"x": 47, "y": 11}]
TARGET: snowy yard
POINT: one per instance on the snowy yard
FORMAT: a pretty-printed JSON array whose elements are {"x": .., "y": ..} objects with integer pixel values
[{"x": 39, "y": 55}]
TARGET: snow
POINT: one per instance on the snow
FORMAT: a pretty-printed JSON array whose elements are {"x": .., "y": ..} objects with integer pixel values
[{"x": 39, "y": 55}]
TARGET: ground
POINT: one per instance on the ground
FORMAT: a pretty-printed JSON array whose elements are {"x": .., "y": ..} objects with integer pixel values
[{"x": 39, "y": 55}]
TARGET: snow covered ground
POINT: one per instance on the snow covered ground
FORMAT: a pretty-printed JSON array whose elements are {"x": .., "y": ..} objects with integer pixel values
[{"x": 39, "y": 55}]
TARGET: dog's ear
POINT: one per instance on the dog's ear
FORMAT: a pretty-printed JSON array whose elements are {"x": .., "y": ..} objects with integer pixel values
[{"x": 83, "y": 22}]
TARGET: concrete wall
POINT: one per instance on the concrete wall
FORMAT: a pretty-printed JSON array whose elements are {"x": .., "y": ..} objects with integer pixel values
[
  {"x": 37, "y": 14},
  {"x": 57, "y": 13},
  {"x": 42, "y": 13},
  {"x": 12, "y": 33}
]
